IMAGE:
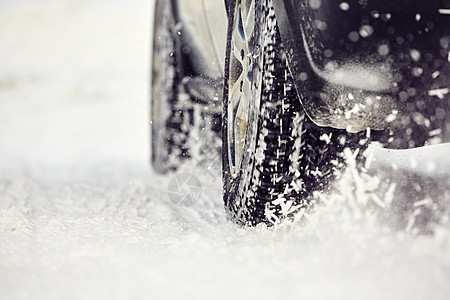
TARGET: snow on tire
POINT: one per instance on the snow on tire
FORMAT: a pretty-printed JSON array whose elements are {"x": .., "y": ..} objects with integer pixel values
[
  {"x": 184, "y": 134},
  {"x": 274, "y": 157},
  {"x": 169, "y": 121}
]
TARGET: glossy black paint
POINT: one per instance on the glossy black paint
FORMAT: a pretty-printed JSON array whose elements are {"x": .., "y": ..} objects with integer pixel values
[{"x": 405, "y": 42}]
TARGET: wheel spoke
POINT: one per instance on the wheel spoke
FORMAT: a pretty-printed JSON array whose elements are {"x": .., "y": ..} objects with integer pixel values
[
  {"x": 240, "y": 129},
  {"x": 239, "y": 51},
  {"x": 249, "y": 21},
  {"x": 235, "y": 91},
  {"x": 246, "y": 89},
  {"x": 240, "y": 24}
]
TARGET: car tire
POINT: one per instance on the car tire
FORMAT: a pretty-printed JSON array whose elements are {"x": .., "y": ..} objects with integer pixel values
[
  {"x": 170, "y": 120},
  {"x": 274, "y": 156},
  {"x": 184, "y": 134}
]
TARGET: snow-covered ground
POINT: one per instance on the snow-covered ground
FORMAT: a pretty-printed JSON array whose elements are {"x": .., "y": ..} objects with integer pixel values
[{"x": 83, "y": 217}]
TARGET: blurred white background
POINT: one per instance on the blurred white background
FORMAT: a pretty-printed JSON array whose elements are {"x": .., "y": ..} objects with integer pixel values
[{"x": 74, "y": 81}]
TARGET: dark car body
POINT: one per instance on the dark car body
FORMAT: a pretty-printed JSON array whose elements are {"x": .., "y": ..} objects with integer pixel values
[
  {"x": 371, "y": 64},
  {"x": 356, "y": 64}
]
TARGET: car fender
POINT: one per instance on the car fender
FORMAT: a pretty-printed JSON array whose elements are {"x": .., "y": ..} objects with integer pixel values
[
  {"x": 202, "y": 32},
  {"x": 317, "y": 92},
  {"x": 364, "y": 94}
]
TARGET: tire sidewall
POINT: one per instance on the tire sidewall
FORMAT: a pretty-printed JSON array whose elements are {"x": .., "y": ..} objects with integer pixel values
[{"x": 162, "y": 105}]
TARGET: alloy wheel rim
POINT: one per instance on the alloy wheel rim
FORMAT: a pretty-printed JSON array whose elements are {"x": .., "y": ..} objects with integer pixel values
[{"x": 240, "y": 82}]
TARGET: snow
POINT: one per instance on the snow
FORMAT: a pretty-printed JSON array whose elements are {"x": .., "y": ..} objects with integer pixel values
[
  {"x": 429, "y": 160},
  {"x": 82, "y": 216}
]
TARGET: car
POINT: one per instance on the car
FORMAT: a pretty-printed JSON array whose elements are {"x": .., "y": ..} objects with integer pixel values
[{"x": 290, "y": 88}]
